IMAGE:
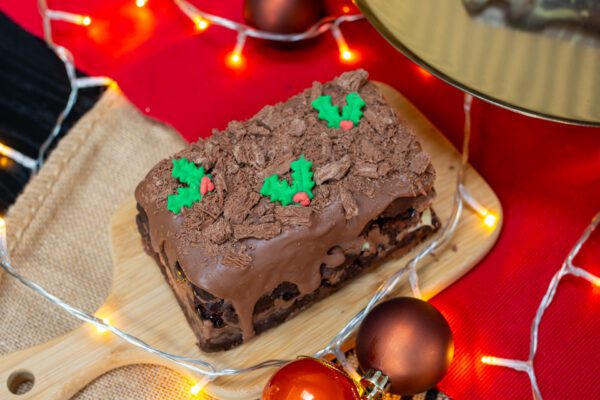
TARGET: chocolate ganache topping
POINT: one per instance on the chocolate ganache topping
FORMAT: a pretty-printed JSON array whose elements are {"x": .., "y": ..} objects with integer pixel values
[{"x": 239, "y": 246}]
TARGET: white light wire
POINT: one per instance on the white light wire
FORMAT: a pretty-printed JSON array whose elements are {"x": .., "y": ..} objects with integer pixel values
[
  {"x": 67, "y": 58},
  {"x": 211, "y": 372},
  {"x": 322, "y": 26},
  {"x": 198, "y": 365},
  {"x": 567, "y": 268},
  {"x": 243, "y": 30}
]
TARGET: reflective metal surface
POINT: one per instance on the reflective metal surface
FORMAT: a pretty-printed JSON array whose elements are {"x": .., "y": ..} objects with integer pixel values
[{"x": 545, "y": 70}]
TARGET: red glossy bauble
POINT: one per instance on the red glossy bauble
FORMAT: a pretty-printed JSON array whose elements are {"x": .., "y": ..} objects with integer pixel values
[
  {"x": 308, "y": 378},
  {"x": 283, "y": 16},
  {"x": 408, "y": 340}
]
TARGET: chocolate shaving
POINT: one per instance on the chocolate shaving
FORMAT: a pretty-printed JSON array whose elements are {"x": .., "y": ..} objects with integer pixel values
[
  {"x": 258, "y": 130},
  {"x": 384, "y": 168},
  {"x": 419, "y": 163},
  {"x": 236, "y": 259},
  {"x": 297, "y": 127},
  {"x": 219, "y": 232},
  {"x": 256, "y": 156},
  {"x": 267, "y": 218},
  {"x": 315, "y": 91},
  {"x": 238, "y": 204},
  {"x": 237, "y": 128},
  {"x": 352, "y": 80},
  {"x": 333, "y": 171},
  {"x": 239, "y": 153},
  {"x": 348, "y": 202},
  {"x": 279, "y": 166},
  {"x": 293, "y": 215},
  {"x": 258, "y": 231},
  {"x": 249, "y": 153},
  {"x": 367, "y": 170},
  {"x": 370, "y": 151},
  {"x": 269, "y": 117}
]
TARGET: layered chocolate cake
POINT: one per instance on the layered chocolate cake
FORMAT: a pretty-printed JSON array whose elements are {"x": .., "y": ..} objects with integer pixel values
[{"x": 274, "y": 213}]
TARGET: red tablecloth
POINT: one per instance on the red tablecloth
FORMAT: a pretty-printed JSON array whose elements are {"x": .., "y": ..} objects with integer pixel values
[{"x": 547, "y": 175}]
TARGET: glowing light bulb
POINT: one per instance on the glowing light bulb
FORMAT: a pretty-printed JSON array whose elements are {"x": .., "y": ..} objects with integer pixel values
[
  {"x": 488, "y": 360},
  {"x": 490, "y": 220},
  {"x": 235, "y": 59},
  {"x": 201, "y": 23},
  {"x": 86, "y": 21},
  {"x": 141, "y": 3},
  {"x": 197, "y": 388},
  {"x": 346, "y": 9},
  {"x": 102, "y": 329},
  {"x": 346, "y": 55}
]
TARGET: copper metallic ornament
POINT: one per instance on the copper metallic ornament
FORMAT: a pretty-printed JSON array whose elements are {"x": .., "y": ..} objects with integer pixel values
[
  {"x": 407, "y": 339},
  {"x": 283, "y": 16}
]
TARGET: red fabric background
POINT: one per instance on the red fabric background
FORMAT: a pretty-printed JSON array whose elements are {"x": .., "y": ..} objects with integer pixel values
[{"x": 547, "y": 175}]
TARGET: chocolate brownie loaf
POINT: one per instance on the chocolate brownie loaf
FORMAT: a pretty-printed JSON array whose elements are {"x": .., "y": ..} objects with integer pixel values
[{"x": 271, "y": 214}]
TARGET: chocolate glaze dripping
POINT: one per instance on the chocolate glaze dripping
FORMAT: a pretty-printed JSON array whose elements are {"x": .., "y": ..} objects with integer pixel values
[{"x": 295, "y": 256}]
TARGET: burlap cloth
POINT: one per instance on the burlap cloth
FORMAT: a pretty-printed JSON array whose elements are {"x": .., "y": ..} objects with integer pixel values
[{"x": 58, "y": 234}]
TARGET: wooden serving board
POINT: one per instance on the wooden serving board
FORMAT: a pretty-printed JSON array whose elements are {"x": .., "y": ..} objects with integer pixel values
[{"x": 141, "y": 302}]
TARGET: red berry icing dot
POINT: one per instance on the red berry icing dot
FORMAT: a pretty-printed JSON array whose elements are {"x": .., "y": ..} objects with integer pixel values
[
  {"x": 206, "y": 185},
  {"x": 346, "y": 125},
  {"x": 301, "y": 198}
]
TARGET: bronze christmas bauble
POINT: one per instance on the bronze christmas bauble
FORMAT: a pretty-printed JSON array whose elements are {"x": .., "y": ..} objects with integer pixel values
[
  {"x": 283, "y": 16},
  {"x": 407, "y": 339}
]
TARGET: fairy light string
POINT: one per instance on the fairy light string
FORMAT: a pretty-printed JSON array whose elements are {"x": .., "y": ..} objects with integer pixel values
[
  {"x": 66, "y": 57},
  {"x": 209, "y": 372},
  {"x": 202, "y": 21},
  {"x": 567, "y": 268}
]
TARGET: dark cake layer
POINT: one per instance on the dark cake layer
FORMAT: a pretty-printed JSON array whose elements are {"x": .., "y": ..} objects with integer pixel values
[{"x": 215, "y": 322}]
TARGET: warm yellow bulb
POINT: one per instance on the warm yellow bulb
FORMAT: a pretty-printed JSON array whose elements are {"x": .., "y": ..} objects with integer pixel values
[
  {"x": 102, "y": 329},
  {"x": 488, "y": 360},
  {"x": 346, "y": 55},
  {"x": 4, "y": 162},
  {"x": 490, "y": 220},
  {"x": 194, "y": 390},
  {"x": 141, "y": 3},
  {"x": 201, "y": 23},
  {"x": 86, "y": 20},
  {"x": 235, "y": 59}
]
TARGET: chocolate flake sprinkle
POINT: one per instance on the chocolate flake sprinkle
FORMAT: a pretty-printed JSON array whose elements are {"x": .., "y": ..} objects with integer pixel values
[
  {"x": 333, "y": 171},
  {"x": 348, "y": 202}
]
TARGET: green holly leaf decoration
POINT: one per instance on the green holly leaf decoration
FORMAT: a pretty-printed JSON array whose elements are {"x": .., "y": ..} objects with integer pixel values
[
  {"x": 327, "y": 111},
  {"x": 302, "y": 182},
  {"x": 186, "y": 172},
  {"x": 352, "y": 109},
  {"x": 330, "y": 113}
]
